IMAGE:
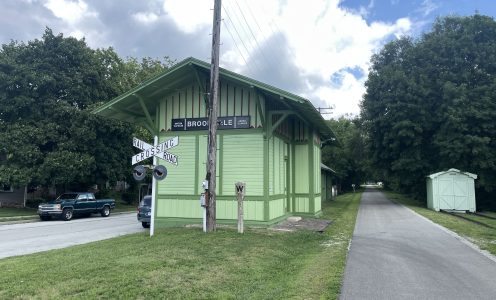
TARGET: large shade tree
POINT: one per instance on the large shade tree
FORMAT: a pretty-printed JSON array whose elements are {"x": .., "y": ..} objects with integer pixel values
[
  {"x": 430, "y": 105},
  {"x": 348, "y": 157},
  {"x": 47, "y": 88}
]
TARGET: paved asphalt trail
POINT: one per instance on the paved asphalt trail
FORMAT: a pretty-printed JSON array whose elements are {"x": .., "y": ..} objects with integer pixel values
[
  {"x": 396, "y": 254},
  {"x": 25, "y": 238}
]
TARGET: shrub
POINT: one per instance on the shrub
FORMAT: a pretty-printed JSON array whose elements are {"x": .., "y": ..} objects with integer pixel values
[
  {"x": 33, "y": 203},
  {"x": 128, "y": 197},
  {"x": 102, "y": 193}
]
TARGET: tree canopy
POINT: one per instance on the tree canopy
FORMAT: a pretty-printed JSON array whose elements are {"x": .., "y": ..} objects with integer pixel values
[
  {"x": 348, "y": 157},
  {"x": 430, "y": 104},
  {"x": 47, "y": 135}
]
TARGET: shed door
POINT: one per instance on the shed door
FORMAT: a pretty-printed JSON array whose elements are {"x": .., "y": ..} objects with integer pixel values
[
  {"x": 453, "y": 193},
  {"x": 460, "y": 188},
  {"x": 446, "y": 195}
]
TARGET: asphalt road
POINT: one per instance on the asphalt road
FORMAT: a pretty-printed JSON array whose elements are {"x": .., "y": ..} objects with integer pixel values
[
  {"x": 397, "y": 254},
  {"x": 25, "y": 238}
]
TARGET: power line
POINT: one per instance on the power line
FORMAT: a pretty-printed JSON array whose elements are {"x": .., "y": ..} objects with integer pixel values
[
  {"x": 236, "y": 45},
  {"x": 271, "y": 26},
  {"x": 252, "y": 34},
  {"x": 262, "y": 33},
  {"x": 255, "y": 63}
]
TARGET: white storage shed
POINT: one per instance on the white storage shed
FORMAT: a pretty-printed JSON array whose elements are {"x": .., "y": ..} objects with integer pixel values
[{"x": 451, "y": 190}]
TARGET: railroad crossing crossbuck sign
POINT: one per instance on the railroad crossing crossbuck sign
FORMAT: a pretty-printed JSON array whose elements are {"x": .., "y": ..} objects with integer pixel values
[{"x": 158, "y": 151}]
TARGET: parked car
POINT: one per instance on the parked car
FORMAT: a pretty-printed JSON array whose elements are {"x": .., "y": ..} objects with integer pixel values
[
  {"x": 69, "y": 204},
  {"x": 145, "y": 211}
]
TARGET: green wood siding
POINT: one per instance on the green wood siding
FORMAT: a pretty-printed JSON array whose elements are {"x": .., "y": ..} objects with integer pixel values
[
  {"x": 228, "y": 209},
  {"x": 188, "y": 102},
  {"x": 292, "y": 181},
  {"x": 317, "y": 182},
  {"x": 271, "y": 167},
  {"x": 168, "y": 207},
  {"x": 318, "y": 204},
  {"x": 202, "y": 161},
  {"x": 301, "y": 169},
  {"x": 253, "y": 210},
  {"x": 316, "y": 169},
  {"x": 302, "y": 204},
  {"x": 242, "y": 157},
  {"x": 277, "y": 208},
  {"x": 178, "y": 208},
  {"x": 277, "y": 167},
  {"x": 180, "y": 179}
]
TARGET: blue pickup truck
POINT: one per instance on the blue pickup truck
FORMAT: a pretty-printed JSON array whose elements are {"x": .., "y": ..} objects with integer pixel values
[{"x": 69, "y": 204}]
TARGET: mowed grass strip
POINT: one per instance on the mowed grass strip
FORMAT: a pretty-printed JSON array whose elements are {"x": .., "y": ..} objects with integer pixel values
[
  {"x": 124, "y": 207},
  {"x": 15, "y": 212},
  {"x": 185, "y": 263},
  {"x": 322, "y": 275},
  {"x": 483, "y": 237}
]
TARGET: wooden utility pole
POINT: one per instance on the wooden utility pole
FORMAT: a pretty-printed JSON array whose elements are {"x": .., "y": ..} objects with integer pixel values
[{"x": 212, "y": 120}]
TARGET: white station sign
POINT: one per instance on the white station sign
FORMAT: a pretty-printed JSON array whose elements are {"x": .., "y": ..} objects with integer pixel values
[{"x": 158, "y": 151}]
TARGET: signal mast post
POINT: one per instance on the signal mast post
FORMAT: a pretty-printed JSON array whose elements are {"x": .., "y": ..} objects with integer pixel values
[{"x": 154, "y": 191}]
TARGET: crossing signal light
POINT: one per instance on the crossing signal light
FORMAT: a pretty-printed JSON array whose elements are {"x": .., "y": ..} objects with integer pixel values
[
  {"x": 159, "y": 172},
  {"x": 139, "y": 172}
]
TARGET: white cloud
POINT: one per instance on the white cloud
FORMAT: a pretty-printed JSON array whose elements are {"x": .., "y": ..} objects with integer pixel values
[
  {"x": 428, "y": 6},
  {"x": 145, "y": 18},
  {"x": 322, "y": 39},
  {"x": 78, "y": 34},
  {"x": 69, "y": 11},
  {"x": 189, "y": 15},
  {"x": 78, "y": 20}
]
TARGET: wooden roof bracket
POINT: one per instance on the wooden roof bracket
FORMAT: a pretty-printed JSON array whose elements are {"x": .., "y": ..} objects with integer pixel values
[
  {"x": 259, "y": 107},
  {"x": 149, "y": 124},
  {"x": 285, "y": 115},
  {"x": 200, "y": 84},
  {"x": 134, "y": 116}
]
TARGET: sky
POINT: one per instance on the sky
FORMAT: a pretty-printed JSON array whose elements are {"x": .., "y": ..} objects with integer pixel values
[{"x": 317, "y": 49}]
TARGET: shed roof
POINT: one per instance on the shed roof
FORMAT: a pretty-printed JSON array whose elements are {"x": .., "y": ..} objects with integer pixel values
[
  {"x": 432, "y": 176},
  {"x": 130, "y": 106},
  {"x": 326, "y": 168}
]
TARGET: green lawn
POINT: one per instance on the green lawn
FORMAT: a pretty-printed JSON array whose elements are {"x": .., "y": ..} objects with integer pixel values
[
  {"x": 14, "y": 212},
  {"x": 489, "y": 213},
  {"x": 185, "y": 263},
  {"x": 123, "y": 207},
  {"x": 482, "y": 236},
  {"x": 9, "y": 214}
]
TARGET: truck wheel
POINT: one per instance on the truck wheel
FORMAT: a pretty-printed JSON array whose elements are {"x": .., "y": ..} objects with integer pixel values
[
  {"x": 105, "y": 211},
  {"x": 45, "y": 218},
  {"x": 67, "y": 214},
  {"x": 145, "y": 224}
]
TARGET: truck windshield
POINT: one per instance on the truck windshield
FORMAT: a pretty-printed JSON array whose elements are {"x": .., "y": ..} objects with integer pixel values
[{"x": 67, "y": 196}]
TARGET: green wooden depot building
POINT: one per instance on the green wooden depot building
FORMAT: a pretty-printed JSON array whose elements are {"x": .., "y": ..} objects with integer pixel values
[{"x": 269, "y": 138}]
